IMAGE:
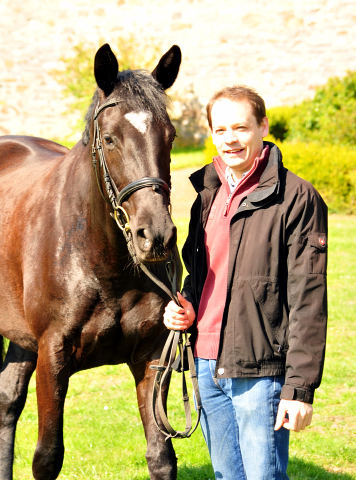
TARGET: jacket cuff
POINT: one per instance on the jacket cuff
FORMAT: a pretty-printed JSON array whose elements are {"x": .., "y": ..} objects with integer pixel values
[
  {"x": 187, "y": 295},
  {"x": 297, "y": 393},
  {"x": 193, "y": 328}
]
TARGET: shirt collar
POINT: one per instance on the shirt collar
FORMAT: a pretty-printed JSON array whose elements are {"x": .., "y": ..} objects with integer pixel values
[{"x": 231, "y": 179}]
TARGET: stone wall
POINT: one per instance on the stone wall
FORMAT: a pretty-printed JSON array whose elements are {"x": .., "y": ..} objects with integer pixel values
[{"x": 284, "y": 48}]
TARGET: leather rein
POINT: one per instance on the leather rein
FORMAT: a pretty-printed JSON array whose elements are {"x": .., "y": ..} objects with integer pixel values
[{"x": 174, "y": 343}]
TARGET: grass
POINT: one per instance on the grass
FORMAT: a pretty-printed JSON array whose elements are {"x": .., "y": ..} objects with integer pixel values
[
  {"x": 187, "y": 157},
  {"x": 104, "y": 437}
]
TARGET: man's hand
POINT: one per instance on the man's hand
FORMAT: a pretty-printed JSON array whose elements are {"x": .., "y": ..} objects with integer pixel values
[
  {"x": 179, "y": 318},
  {"x": 299, "y": 413}
]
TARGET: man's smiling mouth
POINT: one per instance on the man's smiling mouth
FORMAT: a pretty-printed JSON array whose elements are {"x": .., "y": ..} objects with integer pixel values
[{"x": 236, "y": 150}]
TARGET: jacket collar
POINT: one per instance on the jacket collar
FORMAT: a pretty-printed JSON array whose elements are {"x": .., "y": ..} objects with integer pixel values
[{"x": 207, "y": 177}]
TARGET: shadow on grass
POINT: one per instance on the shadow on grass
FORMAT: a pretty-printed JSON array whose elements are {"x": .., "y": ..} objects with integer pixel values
[
  {"x": 205, "y": 472},
  {"x": 300, "y": 470},
  {"x": 297, "y": 470}
]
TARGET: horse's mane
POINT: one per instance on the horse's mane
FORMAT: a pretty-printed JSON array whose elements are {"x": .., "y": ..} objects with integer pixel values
[{"x": 140, "y": 91}]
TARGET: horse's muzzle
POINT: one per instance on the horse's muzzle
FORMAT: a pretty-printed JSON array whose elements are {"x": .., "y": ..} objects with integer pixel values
[{"x": 154, "y": 246}]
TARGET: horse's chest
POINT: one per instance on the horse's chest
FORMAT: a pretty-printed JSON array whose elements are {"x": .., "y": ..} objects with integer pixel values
[{"x": 118, "y": 329}]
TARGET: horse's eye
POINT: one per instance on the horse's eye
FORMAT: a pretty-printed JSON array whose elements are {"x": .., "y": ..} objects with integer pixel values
[
  {"x": 108, "y": 140},
  {"x": 172, "y": 140}
]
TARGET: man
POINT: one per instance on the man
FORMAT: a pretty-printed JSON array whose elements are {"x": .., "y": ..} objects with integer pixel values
[{"x": 255, "y": 295}]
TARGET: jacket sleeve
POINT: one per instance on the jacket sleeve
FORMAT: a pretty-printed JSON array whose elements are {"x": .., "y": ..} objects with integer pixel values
[{"x": 306, "y": 232}]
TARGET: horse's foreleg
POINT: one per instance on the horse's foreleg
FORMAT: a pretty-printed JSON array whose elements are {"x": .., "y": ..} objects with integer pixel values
[
  {"x": 160, "y": 456},
  {"x": 15, "y": 375},
  {"x": 52, "y": 378}
]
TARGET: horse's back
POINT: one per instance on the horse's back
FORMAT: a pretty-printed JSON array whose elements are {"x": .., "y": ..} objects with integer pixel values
[
  {"x": 16, "y": 150},
  {"x": 27, "y": 208}
]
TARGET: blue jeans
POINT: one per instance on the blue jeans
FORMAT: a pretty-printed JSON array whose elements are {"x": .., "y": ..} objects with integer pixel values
[{"x": 237, "y": 420}]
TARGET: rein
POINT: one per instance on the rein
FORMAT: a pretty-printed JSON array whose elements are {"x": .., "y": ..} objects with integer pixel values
[{"x": 168, "y": 360}]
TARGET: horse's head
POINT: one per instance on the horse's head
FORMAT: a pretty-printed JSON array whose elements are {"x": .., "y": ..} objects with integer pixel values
[{"x": 133, "y": 138}]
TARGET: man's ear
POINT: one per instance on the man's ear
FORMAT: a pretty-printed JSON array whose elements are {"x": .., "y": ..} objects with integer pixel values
[{"x": 265, "y": 127}]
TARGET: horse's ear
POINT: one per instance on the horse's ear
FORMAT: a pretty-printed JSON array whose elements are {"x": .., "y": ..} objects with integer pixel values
[
  {"x": 168, "y": 67},
  {"x": 106, "y": 69}
]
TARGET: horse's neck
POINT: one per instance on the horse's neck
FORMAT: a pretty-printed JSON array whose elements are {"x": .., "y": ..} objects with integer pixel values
[{"x": 87, "y": 202}]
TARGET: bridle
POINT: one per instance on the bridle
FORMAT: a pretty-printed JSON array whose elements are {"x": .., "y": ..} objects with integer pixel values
[
  {"x": 117, "y": 197},
  {"x": 168, "y": 360}
]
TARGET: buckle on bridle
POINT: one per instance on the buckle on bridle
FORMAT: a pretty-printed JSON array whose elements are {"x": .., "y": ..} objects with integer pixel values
[{"x": 124, "y": 226}]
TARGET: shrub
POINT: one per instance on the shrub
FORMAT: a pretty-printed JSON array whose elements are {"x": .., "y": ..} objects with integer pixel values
[
  {"x": 189, "y": 119},
  {"x": 331, "y": 169},
  {"x": 279, "y": 120},
  {"x": 330, "y": 117}
]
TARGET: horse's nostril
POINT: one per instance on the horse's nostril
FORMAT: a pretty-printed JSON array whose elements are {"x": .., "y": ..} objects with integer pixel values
[
  {"x": 144, "y": 242},
  {"x": 153, "y": 244}
]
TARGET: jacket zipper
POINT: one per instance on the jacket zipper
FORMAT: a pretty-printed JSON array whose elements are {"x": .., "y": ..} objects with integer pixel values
[{"x": 226, "y": 208}]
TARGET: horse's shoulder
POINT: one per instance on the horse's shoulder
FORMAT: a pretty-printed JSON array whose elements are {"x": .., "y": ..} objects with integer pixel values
[{"x": 24, "y": 148}]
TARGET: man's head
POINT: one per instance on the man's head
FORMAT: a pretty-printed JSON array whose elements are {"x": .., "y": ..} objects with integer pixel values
[{"x": 238, "y": 123}]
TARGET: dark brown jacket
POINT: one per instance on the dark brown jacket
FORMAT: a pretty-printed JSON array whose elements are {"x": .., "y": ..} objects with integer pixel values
[{"x": 274, "y": 321}]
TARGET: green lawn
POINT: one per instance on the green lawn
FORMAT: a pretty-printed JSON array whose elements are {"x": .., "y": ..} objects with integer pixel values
[
  {"x": 187, "y": 157},
  {"x": 103, "y": 434}
]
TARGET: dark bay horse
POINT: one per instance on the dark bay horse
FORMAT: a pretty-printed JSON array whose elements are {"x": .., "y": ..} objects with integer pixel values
[{"x": 71, "y": 297}]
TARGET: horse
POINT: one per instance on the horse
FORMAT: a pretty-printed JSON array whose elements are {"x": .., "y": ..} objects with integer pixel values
[{"x": 72, "y": 296}]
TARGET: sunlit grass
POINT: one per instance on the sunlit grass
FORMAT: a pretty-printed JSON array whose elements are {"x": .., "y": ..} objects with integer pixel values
[{"x": 187, "y": 157}]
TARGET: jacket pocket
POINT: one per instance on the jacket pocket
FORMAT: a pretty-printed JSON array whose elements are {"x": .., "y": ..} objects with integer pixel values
[
  {"x": 318, "y": 259},
  {"x": 268, "y": 298}
]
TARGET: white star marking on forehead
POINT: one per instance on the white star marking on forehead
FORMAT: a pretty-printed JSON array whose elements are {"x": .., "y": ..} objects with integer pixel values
[{"x": 139, "y": 120}]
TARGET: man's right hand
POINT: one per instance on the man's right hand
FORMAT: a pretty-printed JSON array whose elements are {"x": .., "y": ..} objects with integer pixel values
[{"x": 179, "y": 318}]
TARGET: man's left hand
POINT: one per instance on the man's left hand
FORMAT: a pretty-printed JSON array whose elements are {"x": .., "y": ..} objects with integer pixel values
[{"x": 299, "y": 415}]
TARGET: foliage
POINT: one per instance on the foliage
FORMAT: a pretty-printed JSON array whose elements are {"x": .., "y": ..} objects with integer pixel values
[
  {"x": 328, "y": 118},
  {"x": 189, "y": 119},
  {"x": 279, "y": 121},
  {"x": 108, "y": 443},
  {"x": 331, "y": 169}
]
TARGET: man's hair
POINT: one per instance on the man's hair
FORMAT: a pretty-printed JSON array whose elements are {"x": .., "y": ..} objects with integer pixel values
[{"x": 238, "y": 93}]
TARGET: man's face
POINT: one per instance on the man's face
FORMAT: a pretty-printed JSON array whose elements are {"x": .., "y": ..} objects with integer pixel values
[{"x": 236, "y": 134}]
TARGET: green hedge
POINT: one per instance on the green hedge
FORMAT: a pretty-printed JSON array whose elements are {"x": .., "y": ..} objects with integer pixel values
[
  {"x": 331, "y": 169},
  {"x": 280, "y": 119},
  {"x": 329, "y": 117}
]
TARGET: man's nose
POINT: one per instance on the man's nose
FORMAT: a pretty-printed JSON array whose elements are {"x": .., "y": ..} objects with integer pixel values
[{"x": 231, "y": 136}]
